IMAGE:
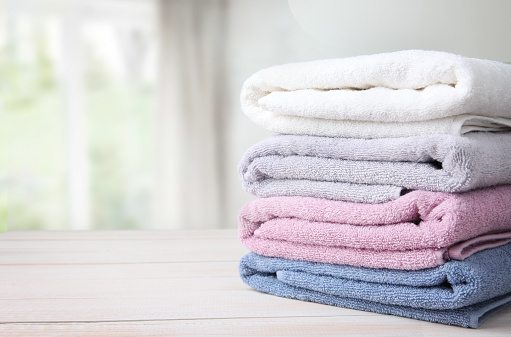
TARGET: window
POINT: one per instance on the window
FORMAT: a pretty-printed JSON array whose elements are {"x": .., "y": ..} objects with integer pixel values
[{"x": 77, "y": 113}]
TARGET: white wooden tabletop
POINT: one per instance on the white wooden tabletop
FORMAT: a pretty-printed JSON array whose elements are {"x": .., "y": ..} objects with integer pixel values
[{"x": 168, "y": 283}]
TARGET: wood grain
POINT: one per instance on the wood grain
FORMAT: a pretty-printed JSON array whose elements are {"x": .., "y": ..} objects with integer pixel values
[{"x": 166, "y": 283}]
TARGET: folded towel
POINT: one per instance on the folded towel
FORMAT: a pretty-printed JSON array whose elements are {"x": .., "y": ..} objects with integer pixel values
[
  {"x": 375, "y": 170},
  {"x": 463, "y": 293},
  {"x": 414, "y": 231},
  {"x": 464, "y": 249},
  {"x": 395, "y": 94}
]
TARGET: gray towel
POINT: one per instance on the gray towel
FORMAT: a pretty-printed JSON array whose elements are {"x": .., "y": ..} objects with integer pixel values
[{"x": 375, "y": 170}]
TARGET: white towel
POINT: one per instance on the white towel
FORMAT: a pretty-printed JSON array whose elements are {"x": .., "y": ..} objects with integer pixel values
[{"x": 395, "y": 94}]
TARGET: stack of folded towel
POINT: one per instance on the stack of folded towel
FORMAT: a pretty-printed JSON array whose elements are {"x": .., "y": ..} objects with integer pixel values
[{"x": 389, "y": 187}]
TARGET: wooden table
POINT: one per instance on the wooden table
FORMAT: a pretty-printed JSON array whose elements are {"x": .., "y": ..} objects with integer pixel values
[{"x": 170, "y": 283}]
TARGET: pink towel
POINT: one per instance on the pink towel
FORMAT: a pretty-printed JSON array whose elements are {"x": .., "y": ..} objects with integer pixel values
[
  {"x": 464, "y": 249},
  {"x": 414, "y": 231}
]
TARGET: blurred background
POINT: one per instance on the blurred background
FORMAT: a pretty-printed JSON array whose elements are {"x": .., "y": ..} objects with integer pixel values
[{"x": 124, "y": 114}]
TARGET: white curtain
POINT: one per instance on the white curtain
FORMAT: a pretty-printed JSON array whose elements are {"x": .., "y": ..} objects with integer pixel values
[
  {"x": 208, "y": 48},
  {"x": 190, "y": 140}
]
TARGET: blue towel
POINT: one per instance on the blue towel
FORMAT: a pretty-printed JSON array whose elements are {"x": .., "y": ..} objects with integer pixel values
[{"x": 463, "y": 293}]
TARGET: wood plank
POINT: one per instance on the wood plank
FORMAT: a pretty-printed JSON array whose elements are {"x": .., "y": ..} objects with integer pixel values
[
  {"x": 231, "y": 300},
  {"x": 115, "y": 272},
  {"x": 119, "y": 235},
  {"x": 150, "y": 283},
  {"x": 378, "y": 325},
  {"x": 119, "y": 251},
  {"x": 116, "y": 289}
]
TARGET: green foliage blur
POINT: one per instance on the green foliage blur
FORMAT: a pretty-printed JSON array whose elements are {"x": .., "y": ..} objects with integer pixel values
[{"x": 120, "y": 117}]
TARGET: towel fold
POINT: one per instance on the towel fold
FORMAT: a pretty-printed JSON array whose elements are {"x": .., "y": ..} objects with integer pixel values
[
  {"x": 375, "y": 170},
  {"x": 412, "y": 232},
  {"x": 463, "y": 293},
  {"x": 395, "y": 94}
]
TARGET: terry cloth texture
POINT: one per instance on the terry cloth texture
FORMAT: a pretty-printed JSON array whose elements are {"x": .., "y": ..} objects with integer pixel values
[
  {"x": 397, "y": 94},
  {"x": 463, "y": 293},
  {"x": 412, "y": 232},
  {"x": 375, "y": 170},
  {"x": 464, "y": 249}
]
